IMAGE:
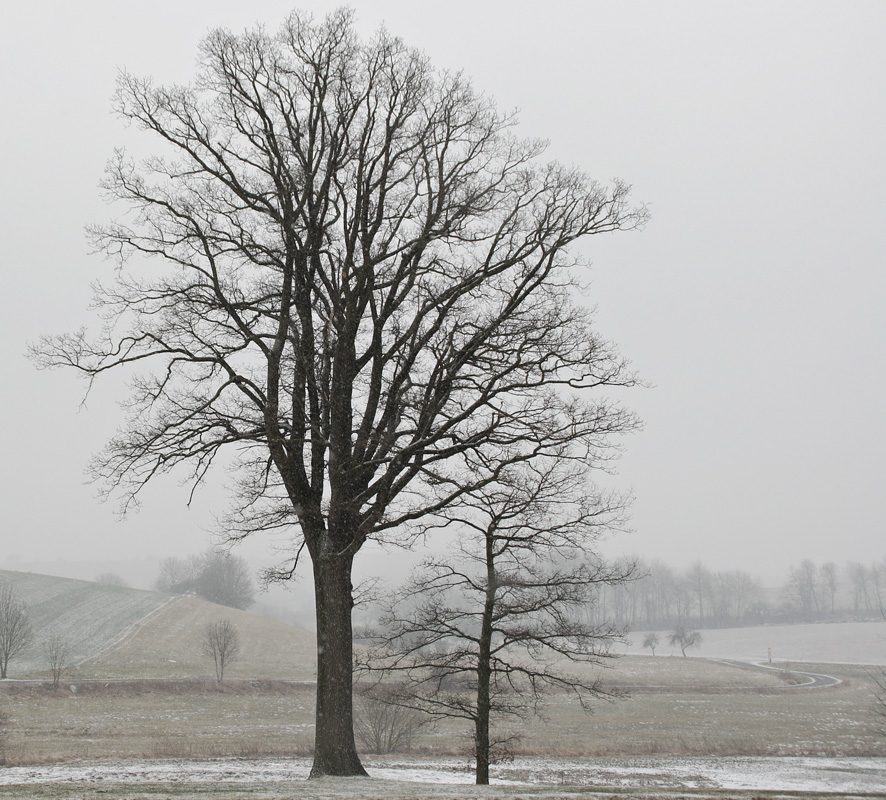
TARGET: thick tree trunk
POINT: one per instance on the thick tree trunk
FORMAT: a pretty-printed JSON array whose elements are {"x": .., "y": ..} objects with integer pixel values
[{"x": 335, "y": 752}]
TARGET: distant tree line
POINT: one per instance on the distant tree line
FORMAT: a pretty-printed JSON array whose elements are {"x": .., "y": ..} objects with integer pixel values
[
  {"x": 663, "y": 598},
  {"x": 221, "y": 578},
  {"x": 823, "y": 591}
]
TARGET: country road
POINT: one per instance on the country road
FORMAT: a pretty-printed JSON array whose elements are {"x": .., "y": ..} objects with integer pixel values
[{"x": 813, "y": 680}]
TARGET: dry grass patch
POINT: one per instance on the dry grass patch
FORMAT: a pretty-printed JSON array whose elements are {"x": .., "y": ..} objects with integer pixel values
[
  {"x": 681, "y": 721},
  {"x": 673, "y": 673},
  {"x": 153, "y": 718}
]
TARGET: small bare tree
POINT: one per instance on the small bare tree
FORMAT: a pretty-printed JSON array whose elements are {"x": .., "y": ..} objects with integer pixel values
[
  {"x": 383, "y": 726},
  {"x": 651, "y": 641},
  {"x": 58, "y": 654},
  {"x": 16, "y": 634},
  {"x": 483, "y": 633},
  {"x": 221, "y": 642},
  {"x": 684, "y": 638}
]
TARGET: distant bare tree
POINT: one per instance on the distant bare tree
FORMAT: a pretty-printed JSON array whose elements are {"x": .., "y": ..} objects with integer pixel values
[
  {"x": 111, "y": 579},
  {"x": 485, "y": 632},
  {"x": 828, "y": 578},
  {"x": 221, "y": 578},
  {"x": 858, "y": 579},
  {"x": 224, "y": 578},
  {"x": 699, "y": 580},
  {"x": 221, "y": 642},
  {"x": 382, "y": 725},
  {"x": 878, "y": 586},
  {"x": 747, "y": 595},
  {"x": 802, "y": 589},
  {"x": 684, "y": 638},
  {"x": 177, "y": 575},
  {"x": 16, "y": 634},
  {"x": 58, "y": 654},
  {"x": 651, "y": 641}
]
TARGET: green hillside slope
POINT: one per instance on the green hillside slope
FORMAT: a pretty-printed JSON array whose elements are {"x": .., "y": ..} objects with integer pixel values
[
  {"x": 167, "y": 645},
  {"x": 118, "y": 632},
  {"x": 91, "y": 616}
]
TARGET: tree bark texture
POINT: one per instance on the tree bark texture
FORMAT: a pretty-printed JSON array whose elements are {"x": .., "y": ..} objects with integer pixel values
[{"x": 335, "y": 751}]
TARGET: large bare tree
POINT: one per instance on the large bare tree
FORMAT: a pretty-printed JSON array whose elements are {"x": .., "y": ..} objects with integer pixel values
[
  {"x": 351, "y": 273},
  {"x": 482, "y": 632}
]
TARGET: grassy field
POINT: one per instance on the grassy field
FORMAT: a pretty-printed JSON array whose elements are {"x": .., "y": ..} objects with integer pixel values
[
  {"x": 676, "y": 707},
  {"x": 145, "y": 691}
]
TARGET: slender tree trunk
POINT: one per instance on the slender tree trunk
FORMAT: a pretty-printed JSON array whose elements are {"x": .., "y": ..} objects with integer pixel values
[
  {"x": 335, "y": 751},
  {"x": 481, "y": 732},
  {"x": 484, "y": 673}
]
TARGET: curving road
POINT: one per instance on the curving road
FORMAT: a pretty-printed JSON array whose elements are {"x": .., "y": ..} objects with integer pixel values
[{"x": 813, "y": 680}]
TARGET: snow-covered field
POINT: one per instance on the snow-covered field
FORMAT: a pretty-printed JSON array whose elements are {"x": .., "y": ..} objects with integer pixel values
[
  {"x": 834, "y": 775},
  {"x": 828, "y": 642}
]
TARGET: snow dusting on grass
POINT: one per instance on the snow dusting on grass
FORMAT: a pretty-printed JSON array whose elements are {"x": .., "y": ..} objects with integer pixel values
[{"x": 856, "y": 775}]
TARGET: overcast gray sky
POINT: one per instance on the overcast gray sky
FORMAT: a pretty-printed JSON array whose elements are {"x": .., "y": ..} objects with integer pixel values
[{"x": 753, "y": 301}]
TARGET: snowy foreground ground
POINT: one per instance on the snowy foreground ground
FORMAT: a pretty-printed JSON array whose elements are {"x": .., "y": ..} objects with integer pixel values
[{"x": 836, "y": 776}]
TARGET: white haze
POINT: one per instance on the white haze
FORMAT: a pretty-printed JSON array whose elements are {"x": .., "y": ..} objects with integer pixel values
[{"x": 752, "y": 303}]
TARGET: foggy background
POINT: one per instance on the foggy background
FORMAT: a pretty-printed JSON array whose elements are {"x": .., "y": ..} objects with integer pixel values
[{"x": 752, "y": 303}]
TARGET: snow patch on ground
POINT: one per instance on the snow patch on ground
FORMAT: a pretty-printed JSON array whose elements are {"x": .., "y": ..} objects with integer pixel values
[{"x": 773, "y": 774}]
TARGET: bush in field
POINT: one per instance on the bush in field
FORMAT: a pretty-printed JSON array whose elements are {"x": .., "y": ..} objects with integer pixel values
[
  {"x": 651, "y": 641},
  {"x": 383, "y": 727}
]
